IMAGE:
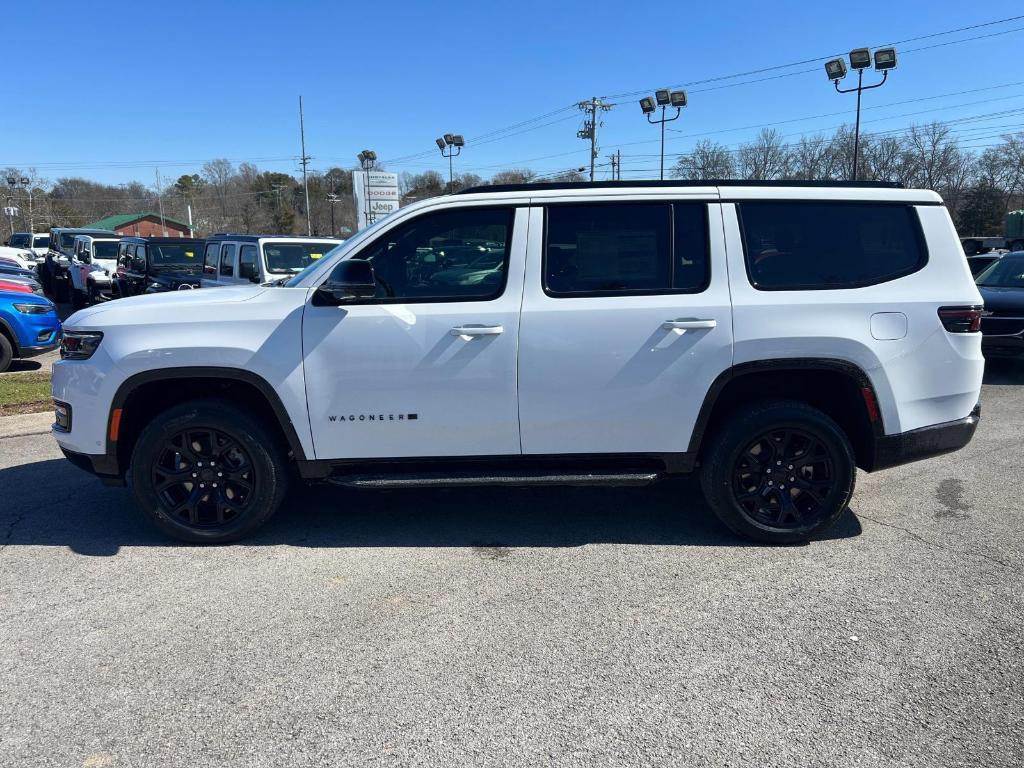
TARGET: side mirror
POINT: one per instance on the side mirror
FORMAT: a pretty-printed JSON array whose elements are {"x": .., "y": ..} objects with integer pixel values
[
  {"x": 85, "y": 256},
  {"x": 351, "y": 279},
  {"x": 248, "y": 270}
]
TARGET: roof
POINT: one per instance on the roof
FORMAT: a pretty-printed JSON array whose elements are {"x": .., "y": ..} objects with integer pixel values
[
  {"x": 120, "y": 219},
  {"x": 546, "y": 185},
  {"x": 256, "y": 238},
  {"x": 158, "y": 240}
]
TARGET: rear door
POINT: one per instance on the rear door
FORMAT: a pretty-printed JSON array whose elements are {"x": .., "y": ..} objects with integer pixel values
[{"x": 626, "y": 323}]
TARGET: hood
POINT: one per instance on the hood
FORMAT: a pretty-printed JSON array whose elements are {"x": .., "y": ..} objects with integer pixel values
[
  {"x": 184, "y": 301},
  {"x": 1003, "y": 300}
]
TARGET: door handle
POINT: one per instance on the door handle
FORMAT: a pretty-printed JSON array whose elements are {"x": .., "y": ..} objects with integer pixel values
[
  {"x": 477, "y": 330},
  {"x": 688, "y": 324}
]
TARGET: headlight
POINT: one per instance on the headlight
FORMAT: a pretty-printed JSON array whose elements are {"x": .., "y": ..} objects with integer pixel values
[
  {"x": 79, "y": 345},
  {"x": 34, "y": 309}
]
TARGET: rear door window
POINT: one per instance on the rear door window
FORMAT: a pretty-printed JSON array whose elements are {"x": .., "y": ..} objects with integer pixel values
[
  {"x": 210, "y": 259},
  {"x": 808, "y": 246},
  {"x": 626, "y": 249},
  {"x": 227, "y": 259}
]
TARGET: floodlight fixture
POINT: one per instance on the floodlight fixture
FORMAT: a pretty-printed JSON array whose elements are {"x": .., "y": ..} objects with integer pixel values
[
  {"x": 458, "y": 140},
  {"x": 647, "y": 105},
  {"x": 677, "y": 98},
  {"x": 860, "y": 58},
  {"x": 440, "y": 144},
  {"x": 885, "y": 58},
  {"x": 835, "y": 69},
  {"x": 661, "y": 95},
  {"x": 449, "y": 139}
]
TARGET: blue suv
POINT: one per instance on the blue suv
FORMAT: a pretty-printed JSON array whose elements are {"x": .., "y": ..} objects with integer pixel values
[{"x": 29, "y": 326}]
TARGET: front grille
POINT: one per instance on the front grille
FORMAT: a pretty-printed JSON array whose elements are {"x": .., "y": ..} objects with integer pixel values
[{"x": 1002, "y": 326}]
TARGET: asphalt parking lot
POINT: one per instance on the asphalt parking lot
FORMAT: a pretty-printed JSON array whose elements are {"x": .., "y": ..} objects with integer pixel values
[{"x": 531, "y": 627}]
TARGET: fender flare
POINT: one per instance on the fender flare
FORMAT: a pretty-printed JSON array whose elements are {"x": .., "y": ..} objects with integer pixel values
[
  {"x": 132, "y": 383},
  {"x": 845, "y": 367}
]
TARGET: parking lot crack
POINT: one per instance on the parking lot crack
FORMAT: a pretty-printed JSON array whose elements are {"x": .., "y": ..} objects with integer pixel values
[
  {"x": 937, "y": 545},
  {"x": 9, "y": 533}
]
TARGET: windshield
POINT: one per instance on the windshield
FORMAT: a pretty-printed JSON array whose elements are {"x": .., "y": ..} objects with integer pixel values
[
  {"x": 173, "y": 254},
  {"x": 41, "y": 241},
  {"x": 104, "y": 250},
  {"x": 1008, "y": 272},
  {"x": 292, "y": 258},
  {"x": 18, "y": 241}
]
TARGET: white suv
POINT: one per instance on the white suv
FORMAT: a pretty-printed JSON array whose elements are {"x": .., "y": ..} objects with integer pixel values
[{"x": 773, "y": 337}]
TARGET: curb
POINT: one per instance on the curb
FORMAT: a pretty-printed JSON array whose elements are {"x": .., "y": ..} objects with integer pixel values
[{"x": 26, "y": 424}]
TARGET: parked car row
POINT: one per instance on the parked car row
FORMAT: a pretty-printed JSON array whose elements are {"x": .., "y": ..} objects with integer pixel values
[{"x": 87, "y": 266}]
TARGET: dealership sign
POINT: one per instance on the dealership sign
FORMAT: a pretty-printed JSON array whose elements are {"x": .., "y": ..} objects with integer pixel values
[{"x": 376, "y": 195}]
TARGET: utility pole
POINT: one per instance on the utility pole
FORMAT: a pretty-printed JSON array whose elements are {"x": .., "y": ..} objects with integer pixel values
[
  {"x": 334, "y": 200},
  {"x": 590, "y": 126},
  {"x": 305, "y": 163},
  {"x": 616, "y": 165}
]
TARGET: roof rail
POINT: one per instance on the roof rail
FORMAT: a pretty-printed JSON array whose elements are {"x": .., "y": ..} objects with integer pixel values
[{"x": 676, "y": 183}]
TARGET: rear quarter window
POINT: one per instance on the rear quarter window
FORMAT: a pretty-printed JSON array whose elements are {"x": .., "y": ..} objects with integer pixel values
[{"x": 816, "y": 246}]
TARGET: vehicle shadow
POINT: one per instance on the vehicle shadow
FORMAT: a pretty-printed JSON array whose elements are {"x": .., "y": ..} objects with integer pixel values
[
  {"x": 52, "y": 504},
  {"x": 1000, "y": 371}
]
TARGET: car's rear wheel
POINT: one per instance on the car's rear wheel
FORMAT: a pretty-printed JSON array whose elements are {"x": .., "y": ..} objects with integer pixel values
[
  {"x": 207, "y": 472},
  {"x": 779, "y": 472}
]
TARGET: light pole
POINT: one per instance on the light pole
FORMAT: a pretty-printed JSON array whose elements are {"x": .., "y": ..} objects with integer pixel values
[
  {"x": 663, "y": 98},
  {"x": 860, "y": 59},
  {"x": 367, "y": 159},
  {"x": 453, "y": 142}
]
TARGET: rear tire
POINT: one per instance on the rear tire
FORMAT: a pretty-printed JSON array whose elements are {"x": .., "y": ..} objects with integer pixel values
[
  {"x": 78, "y": 299},
  {"x": 206, "y": 472},
  {"x": 6, "y": 353},
  {"x": 779, "y": 472}
]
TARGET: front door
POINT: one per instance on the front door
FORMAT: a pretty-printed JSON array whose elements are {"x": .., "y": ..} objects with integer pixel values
[
  {"x": 428, "y": 367},
  {"x": 626, "y": 323}
]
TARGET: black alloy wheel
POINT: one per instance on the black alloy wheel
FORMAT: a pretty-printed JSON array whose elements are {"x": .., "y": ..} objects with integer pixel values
[
  {"x": 208, "y": 472},
  {"x": 778, "y": 471},
  {"x": 204, "y": 478},
  {"x": 783, "y": 478}
]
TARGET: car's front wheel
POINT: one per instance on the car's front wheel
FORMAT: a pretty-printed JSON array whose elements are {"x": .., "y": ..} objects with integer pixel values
[
  {"x": 206, "y": 472},
  {"x": 779, "y": 472}
]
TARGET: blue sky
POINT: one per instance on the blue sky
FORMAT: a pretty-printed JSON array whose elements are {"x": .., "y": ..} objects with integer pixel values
[{"x": 114, "y": 89}]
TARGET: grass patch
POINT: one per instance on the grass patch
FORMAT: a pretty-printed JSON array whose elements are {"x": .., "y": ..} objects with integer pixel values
[{"x": 24, "y": 393}]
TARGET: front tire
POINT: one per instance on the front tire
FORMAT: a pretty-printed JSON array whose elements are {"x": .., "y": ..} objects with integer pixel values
[
  {"x": 206, "y": 472},
  {"x": 779, "y": 472},
  {"x": 6, "y": 353}
]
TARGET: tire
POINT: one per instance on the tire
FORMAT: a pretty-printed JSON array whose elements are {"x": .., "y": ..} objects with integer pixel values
[
  {"x": 91, "y": 295},
  {"x": 223, "y": 439},
  {"x": 6, "y": 353},
  {"x": 757, "y": 454},
  {"x": 78, "y": 298}
]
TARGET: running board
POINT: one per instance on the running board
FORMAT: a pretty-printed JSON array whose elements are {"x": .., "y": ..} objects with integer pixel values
[{"x": 464, "y": 479}]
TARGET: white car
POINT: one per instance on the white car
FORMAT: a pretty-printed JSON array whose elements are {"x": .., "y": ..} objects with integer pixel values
[
  {"x": 243, "y": 259},
  {"x": 91, "y": 267},
  {"x": 773, "y": 337},
  {"x": 17, "y": 257},
  {"x": 37, "y": 243}
]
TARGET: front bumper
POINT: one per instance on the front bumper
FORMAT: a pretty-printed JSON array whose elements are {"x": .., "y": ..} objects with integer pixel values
[
  {"x": 40, "y": 350},
  {"x": 924, "y": 443},
  {"x": 102, "y": 466}
]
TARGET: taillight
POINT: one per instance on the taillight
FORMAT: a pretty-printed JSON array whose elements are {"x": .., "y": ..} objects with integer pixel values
[{"x": 961, "y": 319}]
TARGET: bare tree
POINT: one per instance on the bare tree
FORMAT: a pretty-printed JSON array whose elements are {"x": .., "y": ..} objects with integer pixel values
[
  {"x": 218, "y": 175},
  {"x": 708, "y": 160},
  {"x": 766, "y": 157}
]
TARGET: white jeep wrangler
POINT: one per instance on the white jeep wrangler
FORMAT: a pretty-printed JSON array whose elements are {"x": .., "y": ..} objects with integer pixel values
[
  {"x": 91, "y": 267},
  {"x": 773, "y": 337}
]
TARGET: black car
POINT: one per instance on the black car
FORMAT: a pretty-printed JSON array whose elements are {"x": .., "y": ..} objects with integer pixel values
[
  {"x": 1002, "y": 324},
  {"x": 157, "y": 264},
  {"x": 979, "y": 264}
]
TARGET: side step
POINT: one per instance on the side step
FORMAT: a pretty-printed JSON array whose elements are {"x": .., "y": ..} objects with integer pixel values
[{"x": 464, "y": 479}]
